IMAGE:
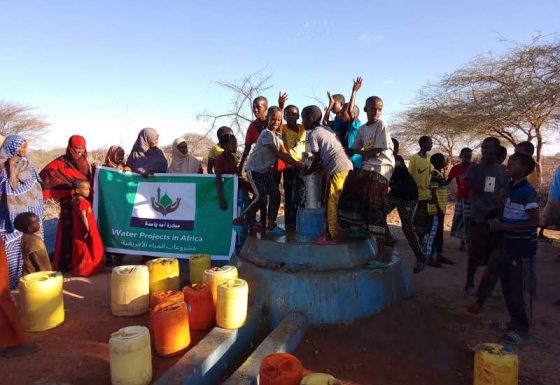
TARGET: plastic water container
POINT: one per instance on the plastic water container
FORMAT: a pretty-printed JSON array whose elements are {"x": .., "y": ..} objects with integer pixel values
[
  {"x": 202, "y": 312},
  {"x": 310, "y": 224},
  {"x": 231, "y": 308},
  {"x": 197, "y": 264},
  {"x": 130, "y": 356},
  {"x": 280, "y": 369},
  {"x": 166, "y": 296},
  {"x": 41, "y": 302},
  {"x": 217, "y": 275},
  {"x": 130, "y": 289},
  {"x": 320, "y": 379},
  {"x": 164, "y": 274},
  {"x": 495, "y": 364},
  {"x": 169, "y": 322}
]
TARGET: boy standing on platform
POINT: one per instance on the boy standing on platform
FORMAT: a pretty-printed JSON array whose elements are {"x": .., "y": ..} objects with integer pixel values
[{"x": 293, "y": 135}]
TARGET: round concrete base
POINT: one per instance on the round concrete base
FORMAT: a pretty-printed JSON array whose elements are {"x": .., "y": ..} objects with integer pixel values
[{"x": 341, "y": 294}]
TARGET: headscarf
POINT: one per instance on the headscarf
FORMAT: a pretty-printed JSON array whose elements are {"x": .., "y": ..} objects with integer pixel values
[
  {"x": 80, "y": 162},
  {"x": 182, "y": 163},
  {"x": 111, "y": 158},
  {"x": 9, "y": 149},
  {"x": 145, "y": 136},
  {"x": 142, "y": 158}
]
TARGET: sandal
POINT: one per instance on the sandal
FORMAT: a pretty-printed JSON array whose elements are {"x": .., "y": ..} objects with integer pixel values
[{"x": 514, "y": 338}]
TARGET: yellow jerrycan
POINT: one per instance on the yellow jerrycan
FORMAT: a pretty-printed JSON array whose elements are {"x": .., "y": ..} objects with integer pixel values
[
  {"x": 217, "y": 275},
  {"x": 130, "y": 356},
  {"x": 41, "y": 302},
  {"x": 130, "y": 290},
  {"x": 164, "y": 274},
  {"x": 231, "y": 308},
  {"x": 320, "y": 379},
  {"x": 495, "y": 364},
  {"x": 197, "y": 264}
]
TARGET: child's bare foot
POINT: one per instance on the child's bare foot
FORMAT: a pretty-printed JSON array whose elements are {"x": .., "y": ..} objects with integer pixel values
[{"x": 18, "y": 351}]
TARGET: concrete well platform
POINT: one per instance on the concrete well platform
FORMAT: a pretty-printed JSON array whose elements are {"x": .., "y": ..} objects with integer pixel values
[{"x": 328, "y": 284}]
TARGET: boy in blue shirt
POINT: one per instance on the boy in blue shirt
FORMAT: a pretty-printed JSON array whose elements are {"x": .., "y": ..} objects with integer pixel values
[{"x": 519, "y": 224}]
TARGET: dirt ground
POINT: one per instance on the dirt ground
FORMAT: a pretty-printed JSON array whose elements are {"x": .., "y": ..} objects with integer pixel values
[
  {"x": 77, "y": 352},
  {"x": 424, "y": 340},
  {"x": 427, "y": 339}
]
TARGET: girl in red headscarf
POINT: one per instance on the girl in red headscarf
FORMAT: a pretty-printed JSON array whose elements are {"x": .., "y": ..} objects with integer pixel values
[{"x": 58, "y": 177}]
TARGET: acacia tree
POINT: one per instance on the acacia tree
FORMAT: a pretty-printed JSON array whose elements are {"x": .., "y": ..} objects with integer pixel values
[
  {"x": 515, "y": 96},
  {"x": 20, "y": 120},
  {"x": 240, "y": 111}
]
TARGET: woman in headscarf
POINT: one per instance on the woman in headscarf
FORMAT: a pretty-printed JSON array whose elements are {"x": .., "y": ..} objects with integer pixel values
[
  {"x": 181, "y": 161},
  {"x": 115, "y": 159},
  {"x": 58, "y": 177},
  {"x": 146, "y": 158},
  {"x": 20, "y": 191}
]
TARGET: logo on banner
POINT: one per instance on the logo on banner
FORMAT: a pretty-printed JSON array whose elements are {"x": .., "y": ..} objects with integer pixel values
[{"x": 167, "y": 206}]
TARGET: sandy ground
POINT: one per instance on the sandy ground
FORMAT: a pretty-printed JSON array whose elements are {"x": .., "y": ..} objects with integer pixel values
[
  {"x": 427, "y": 339},
  {"x": 424, "y": 340}
]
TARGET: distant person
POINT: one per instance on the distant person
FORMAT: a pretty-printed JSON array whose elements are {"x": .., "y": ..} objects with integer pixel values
[
  {"x": 58, "y": 178},
  {"x": 293, "y": 135},
  {"x": 437, "y": 207},
  {"x": 217, "y": 149},
  {"x": 519, "y": 227},
  {"x": 13, "y": 342},
  {"x": 115, "y": 159},
  {"x": 20, "y": 191},
  {"x": 551, "y": 213},
  {"x": 87, "y": 246},
  {"x": 146, "y": 158},
  {"x": 502, "y": 155},
  {"x": 528, "y": 149},
  {"x": 373, "y": 142},
  {"x": 488, "y": 183},
  {"x": 403, "y": 195},
  {"x": 461, "y": 216},
  {"x": 33, "y": 249},
  {"x": 267, "y": 150},
  {"x": 181, "y": 161},
  {"x": 327, "y": 152},
  {"x": 420, "y": 168}
]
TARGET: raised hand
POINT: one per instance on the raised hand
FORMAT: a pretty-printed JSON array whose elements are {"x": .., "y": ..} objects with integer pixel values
[
  {"x": 282, "y": 97},
  {"x": 331, "y": 99},
  {"x": 357, "y": 84}
]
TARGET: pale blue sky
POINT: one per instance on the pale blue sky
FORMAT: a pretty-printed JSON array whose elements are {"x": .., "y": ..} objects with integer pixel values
[{"x": 105, "y": 69}]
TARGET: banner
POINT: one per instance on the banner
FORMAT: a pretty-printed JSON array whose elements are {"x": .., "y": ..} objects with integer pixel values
[{"x": 165, "y": 215}]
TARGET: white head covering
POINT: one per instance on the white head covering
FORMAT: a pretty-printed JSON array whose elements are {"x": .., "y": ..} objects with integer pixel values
[{"x": 181, "y": 163}]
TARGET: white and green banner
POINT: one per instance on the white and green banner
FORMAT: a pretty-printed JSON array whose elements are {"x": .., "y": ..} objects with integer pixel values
[{"x": 165, "y": 215}]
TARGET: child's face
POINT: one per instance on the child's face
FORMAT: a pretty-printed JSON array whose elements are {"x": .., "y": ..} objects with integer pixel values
[
  {"x": 232, "y": 146},
  {"x": 514, "y": 169},
  {"x": 79, "y": 150},
  {"x": 275, "y": 121},
  {"x": 84, "y": 189},
  {"x": 466, "y": 157},
  {"x": 291, "y": 115},
  {"x": 337, "y": 106},
  {"x": 373, "y": 110},
  {"x": 34, "y": 225},
  {"x": 259, "y": 109},
  {"x": 307, "y": 122},
  {"x": 183, "y": 148},
  {"x": 427, "y": 145},
  {"x": 344, "y": 114}
]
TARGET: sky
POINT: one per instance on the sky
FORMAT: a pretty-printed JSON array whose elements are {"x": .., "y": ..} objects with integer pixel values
[{"x": 106, "y": 69}]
